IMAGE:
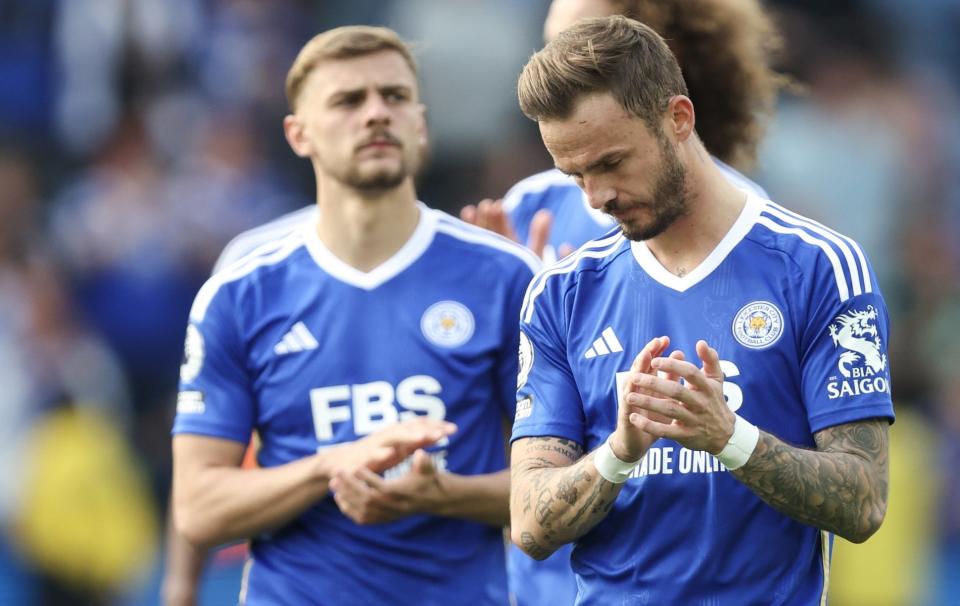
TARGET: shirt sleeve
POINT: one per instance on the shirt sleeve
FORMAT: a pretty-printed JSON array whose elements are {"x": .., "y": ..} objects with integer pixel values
[
  {"x": 548, "y": 401},
  {"x": 507, "y": 367},
  {"x": 845, "y": 370},
  {"x": 215, "y": 397}
]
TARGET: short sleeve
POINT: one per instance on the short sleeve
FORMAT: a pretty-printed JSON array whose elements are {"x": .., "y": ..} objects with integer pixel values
[
  {"x": 548, "y": 401},
  {"x": 507, "y": 364},
  {"x": 215, "y": 397},
  {"x": 845, "y": 370}
]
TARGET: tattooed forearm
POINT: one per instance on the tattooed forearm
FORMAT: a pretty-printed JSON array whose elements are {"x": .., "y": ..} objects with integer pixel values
[
  {"x": 556, "y": 495},
  {"x": 840, "y": 487}
]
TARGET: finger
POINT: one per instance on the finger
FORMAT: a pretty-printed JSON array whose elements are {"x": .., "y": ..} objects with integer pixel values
[
  {"x": 652, "y": 349},
  {"x": 540, "y": 227},
  {"x": 499, "y": 221},
  {"x": 710, "y": 359},
  {"x": 565, "y": 250},
  {"x": 692, "y": 376},
  {"x": 657, "y": 387},
  {"x": 663, "y": 409},
  {"x": 422, "y": 463},
  {"x": 483, "y": 213},
  {"x": 371, "y": 480},
  {"x": 676, "y": 355},
  {"x": 469, "y": 214},
  {"x": 671, "y": 431}
]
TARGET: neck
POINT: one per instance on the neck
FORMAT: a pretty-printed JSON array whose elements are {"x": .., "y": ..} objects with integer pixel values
[
  {"x": 713, "y": 207},
  {"x": 364, "y": 229}
]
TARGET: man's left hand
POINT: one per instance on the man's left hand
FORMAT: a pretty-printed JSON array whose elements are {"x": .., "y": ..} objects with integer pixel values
[
  {"x": 701, "y": 418},
  {"x": 367, "y": 498}
]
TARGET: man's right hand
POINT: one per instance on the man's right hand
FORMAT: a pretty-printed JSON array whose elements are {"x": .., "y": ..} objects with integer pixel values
[
  {"x": 489, "y": 214},
  {"x": 630, "y": 443},
  {"x": 385, "y": 448}
]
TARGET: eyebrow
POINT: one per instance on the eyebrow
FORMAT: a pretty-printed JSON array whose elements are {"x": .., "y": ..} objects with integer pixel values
[
  {"x": 607, "y": 157},
  {"x": 383, "y": 90}
]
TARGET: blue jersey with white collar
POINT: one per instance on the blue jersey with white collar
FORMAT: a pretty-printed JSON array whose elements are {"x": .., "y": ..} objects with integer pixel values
[
  {"x": 551, "y": 581},
  {"x": 310, "y": 352},
  {"x": 794, "y": 311}
]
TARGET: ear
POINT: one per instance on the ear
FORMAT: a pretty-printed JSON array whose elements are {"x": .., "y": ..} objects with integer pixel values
[
  {"x": 680, "y": 117},
  {"x": 296, "y": 136}
]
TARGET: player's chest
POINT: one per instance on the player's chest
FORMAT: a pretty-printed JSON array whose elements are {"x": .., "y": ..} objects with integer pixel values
[
  {"x": 750, "y": 329},
  {"x": 354, "y": 338}
]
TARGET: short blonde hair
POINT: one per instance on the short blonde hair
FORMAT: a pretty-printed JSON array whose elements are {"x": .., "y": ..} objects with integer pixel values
[{"x": 342, "y": 43}]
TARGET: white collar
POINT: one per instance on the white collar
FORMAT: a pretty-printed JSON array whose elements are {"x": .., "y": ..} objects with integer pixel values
[
  {"x": 743, "y": 224},
  {"x": 412, "y": 249}
]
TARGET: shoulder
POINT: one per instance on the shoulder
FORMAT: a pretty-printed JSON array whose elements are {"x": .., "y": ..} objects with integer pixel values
[
  {"x": 534, "y": 187},
  {"x": 818, "y": 252},
  {"x": 250, "y": 271},
  {"x": 594, "y": 256},
  {"x": 246, "y": 242},
  {"x": 483, "y": 243}
]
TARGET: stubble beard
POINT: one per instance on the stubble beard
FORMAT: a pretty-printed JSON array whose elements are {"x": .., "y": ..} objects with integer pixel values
[{"x": 669, "y": 200}]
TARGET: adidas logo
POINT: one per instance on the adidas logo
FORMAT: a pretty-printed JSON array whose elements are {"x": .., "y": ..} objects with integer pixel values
[
  {"x": 607, "y": 343},
  {"x": 298, "y": 339}
]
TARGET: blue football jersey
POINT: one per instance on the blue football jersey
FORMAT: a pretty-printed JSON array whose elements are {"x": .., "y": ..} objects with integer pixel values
[
  {"x": 794, "y": 311},
  {"x": 310, "y": 352},
  {"x": 551, "y": 581},
  {"x": 245, "y": 243}
]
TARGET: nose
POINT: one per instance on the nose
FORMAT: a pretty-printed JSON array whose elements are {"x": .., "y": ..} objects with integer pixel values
[
  {"x": 376, "y": 110},
  {"x": 598, "y": 193}
]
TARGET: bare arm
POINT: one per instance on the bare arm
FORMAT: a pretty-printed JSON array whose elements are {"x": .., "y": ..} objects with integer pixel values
[
  {"x": 840, "y": 487},
  {"x": 556, "y": 494},
  {"x": 216, "y": 501},
  {"x": 182, "y": 571}
]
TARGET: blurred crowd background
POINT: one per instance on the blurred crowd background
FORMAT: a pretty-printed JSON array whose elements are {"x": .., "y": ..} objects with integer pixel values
[{"x": 138, "y": 136}]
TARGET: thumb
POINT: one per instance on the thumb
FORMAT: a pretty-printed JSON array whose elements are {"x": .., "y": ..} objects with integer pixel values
[
  {"x": 422, "y": 463},
  {"x": 710, "y": 359},
  {"x": 540, "y": 227}
]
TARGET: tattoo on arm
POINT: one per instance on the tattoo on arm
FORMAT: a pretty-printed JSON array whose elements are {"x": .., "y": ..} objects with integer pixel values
[
  {"x": 840, "y": 487},
  {"x": 556, "y": 494}
]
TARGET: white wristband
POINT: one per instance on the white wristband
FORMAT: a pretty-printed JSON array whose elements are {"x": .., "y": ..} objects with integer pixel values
[
  {"x": 741, "y": 444},
  {"x": 610, "y": 466}
]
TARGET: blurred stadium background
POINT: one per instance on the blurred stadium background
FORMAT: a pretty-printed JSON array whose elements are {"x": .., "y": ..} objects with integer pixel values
[{"x": 138, "y": 136}]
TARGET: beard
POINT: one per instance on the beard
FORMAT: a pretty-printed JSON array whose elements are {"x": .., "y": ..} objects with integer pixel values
[
  {"x": 667, "y": 203},
  {"x": 380, "y": 177}
]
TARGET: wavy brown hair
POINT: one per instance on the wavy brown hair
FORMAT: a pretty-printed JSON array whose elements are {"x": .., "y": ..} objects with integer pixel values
[
  {"x": 725, "y": 49},
  {"x": 614, "y": 54}
]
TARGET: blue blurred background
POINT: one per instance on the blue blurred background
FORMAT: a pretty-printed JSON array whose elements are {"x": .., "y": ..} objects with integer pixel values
[{"x": 138, "y": 136}]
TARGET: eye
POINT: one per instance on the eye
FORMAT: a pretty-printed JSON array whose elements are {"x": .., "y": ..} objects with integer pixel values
[
  {"x": 395, "y": 96},
  {"x": 347, "y": 100},
  {"x": 611, "y": 164}
]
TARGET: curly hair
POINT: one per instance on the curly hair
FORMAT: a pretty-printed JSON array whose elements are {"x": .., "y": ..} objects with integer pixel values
[{"x": 725, "y": 49}]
